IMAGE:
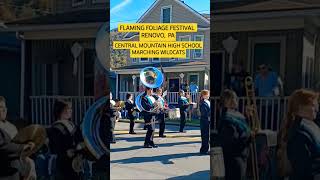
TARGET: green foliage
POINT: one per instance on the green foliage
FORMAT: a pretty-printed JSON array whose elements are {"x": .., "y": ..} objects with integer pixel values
[{"x": 11, "y": 10}]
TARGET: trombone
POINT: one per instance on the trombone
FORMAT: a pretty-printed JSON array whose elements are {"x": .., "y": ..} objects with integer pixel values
[{"x": 254, "y": 124}]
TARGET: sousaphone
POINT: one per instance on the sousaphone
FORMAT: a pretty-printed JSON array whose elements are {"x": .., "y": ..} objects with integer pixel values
[
  {"x": 91, "y": 129},
  {"x": 150, "y": 77}
]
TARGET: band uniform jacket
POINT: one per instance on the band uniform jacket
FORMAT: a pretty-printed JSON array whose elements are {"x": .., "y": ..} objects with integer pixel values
[
  {"x": 234, "y": 136},
  {"x": 62, "y": 139},
  {"x": 161, "y": 100},
  {"x": 303, "y": 150},
  {"x": 183, "y": 104},
  {"x": 205, "y": 111},
  {"x": 130, "y": 108},
  {"x": 9, "y": 152},
  {"x": 147, "y": 104}
]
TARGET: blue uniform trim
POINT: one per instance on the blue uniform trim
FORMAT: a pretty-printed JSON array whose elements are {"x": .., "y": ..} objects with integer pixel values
[{"x": 237, "y": 120}]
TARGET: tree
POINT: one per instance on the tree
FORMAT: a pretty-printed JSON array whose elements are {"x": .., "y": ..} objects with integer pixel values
[
  {"x": 7, "y": 13},
  {"x": 10, "y": 10},
  {"x": 118, "y": 57}
]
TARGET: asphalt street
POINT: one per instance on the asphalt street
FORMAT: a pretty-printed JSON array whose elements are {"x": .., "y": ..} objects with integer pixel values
[{"x": 176, "y": 158}]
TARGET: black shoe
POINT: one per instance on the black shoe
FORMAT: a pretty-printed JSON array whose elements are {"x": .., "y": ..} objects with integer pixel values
[
  {"x": 204, "y": 153},
  {"x": 162, "y": 136},
  {"x": 132, "y": 132},
  {"x": 147, "y": 146},
  {"x": 154, "y": 146}
]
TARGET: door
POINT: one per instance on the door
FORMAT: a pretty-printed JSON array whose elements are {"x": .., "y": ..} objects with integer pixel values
[
  {"x": 194, "y": 82},
  {"x": 267, "y": 53}
]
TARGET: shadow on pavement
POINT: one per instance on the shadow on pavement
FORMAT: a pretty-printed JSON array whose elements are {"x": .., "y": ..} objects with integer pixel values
[
  {"x": 160, "y": 145},
  {"x": 193, "y": 176},
  {"x": 130, "y": 139},
  {"x": 165, "y": 159},
  {"x": 141, "y": 138}
]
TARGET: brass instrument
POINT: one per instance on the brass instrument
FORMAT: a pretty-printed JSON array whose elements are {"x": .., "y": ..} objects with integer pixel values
[
  {"x": 254, "y": 124},
  {"x": 153, "y": 78},
  {"x": 37, "y": 135},
  {"x": 122, "y": 104},
  {"x": 90, "y": 129},
  {"x": 33, "y": 133}
]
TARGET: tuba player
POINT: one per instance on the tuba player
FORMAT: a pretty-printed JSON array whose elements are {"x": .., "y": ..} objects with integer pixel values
[{"x": 149, "y": 106}]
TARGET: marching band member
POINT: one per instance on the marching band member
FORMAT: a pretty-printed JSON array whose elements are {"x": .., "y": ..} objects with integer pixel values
[
  {"x": 11, "y": 154},
  {"x": 302, "y": 135},
  {"x": 148, "y": 103},
  {"x": 205, "y": 111},
  {"x": 234, "y": 136},
  {"x": 113, "y": 118},
  {"x": 63, "y": 140},
  {"x": 130, "y": 108},
  {"x": 118, "y": 109},
  {"x": 161, "y": 115},
  {"x": 183, "y": 106}
]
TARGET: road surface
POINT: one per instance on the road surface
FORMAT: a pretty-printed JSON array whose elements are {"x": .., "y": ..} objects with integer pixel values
[{"x": 176, "y": 158}]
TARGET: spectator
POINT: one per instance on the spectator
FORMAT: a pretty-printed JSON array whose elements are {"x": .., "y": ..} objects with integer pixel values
[
  {"x": 235, "y": 80},
  {"x": 267, "y": 85},
  {"x": 266, "y": 82},
  {"x": 194, "y": 87}
]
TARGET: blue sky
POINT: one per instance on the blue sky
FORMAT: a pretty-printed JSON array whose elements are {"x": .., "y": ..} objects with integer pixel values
[{"x": 129, "y": 11}]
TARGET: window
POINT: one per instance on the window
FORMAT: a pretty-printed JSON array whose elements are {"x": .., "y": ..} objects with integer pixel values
[
  {"x": 78, "y": 2},
  {"x": 144, "y": 60},
  {"x": 134, "y": 60},
  {"x": 186, "y": 38},
  {"x": 155, "y": 60},
  {"x": 166, "y": 14},
  {"x": 198, "y": 53}
]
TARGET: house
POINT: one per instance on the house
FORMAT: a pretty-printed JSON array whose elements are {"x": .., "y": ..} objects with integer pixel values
[
  {"x": 50, "y": 69},
  {"x": 281, "y": 33},
  {"x": 194, "y": 69}
]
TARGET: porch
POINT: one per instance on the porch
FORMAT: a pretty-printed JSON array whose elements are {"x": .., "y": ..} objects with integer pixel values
[
  {"x": 56, "y": 73},
  {"x": 173, "y": 81},
  {"x": 286, "y": 41},
  {"x": 271, "y": 110}
]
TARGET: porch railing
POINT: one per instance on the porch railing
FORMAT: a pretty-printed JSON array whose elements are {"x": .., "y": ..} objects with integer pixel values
[
  {"x": 271, "y": 110},
  {"x": 42, "y": 108},
  {"x": 172, "y": 97}
]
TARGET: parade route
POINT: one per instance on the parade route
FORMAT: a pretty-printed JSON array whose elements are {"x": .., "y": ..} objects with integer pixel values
[{"x": 176, "y": 158}]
